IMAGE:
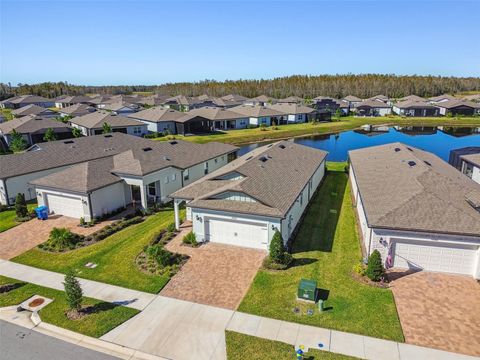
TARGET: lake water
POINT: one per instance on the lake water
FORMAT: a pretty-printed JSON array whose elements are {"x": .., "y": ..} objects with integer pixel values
[{"x": 438, "y": 140}]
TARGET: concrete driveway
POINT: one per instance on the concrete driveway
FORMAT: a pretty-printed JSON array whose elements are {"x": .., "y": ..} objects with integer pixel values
[
  {"x": 175, "y": 329},
  {"x": 216, "y": 274},
  {"x": 27, "y": 235},
  {"x": 440, "y": 311}
]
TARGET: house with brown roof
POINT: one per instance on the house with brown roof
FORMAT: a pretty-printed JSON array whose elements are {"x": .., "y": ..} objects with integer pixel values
[
  {"x": 458, "y": 107},
  {"x": 415, "y": 108},
  {"x": 441, "y": 98},
  {"x": 17, "y": 102},
  {"x": 352, "y": 101},
  {"x": 467, "y": 160},
  {"x": 295, "y": 112},
  {"x": 76, "y": 110},
  {"x": 259, "y": 115},
  {"x": 208, "y": 119},
  {"x": 246, "y": 201},
  {"x": 33, "y": 129},
  {"x": 92, "y": 123},
  {"x": 34, "y": 110},
  {"x": 419, "y": 212},
  {"x": 373, "y": 108},
  {"x": 159, "y": 119},
  {"x": 66, "y": 101},
  {"x": 261, "y": 100}
]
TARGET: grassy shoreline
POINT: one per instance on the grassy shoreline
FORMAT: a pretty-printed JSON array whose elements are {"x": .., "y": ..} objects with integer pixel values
[{"x": 246, "y": 136}]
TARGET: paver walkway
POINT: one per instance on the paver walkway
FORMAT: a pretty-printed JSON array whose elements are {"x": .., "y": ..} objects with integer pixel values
[
  {"x": 27, "y": 235},
  {"x": 440, "y": 311},
  {"x": 111, "y": 293},
  {"x": 216, "y": 274}
]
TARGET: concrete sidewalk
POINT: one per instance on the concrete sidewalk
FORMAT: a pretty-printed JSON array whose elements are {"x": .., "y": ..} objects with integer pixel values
[{"x": 94, "y": 289}]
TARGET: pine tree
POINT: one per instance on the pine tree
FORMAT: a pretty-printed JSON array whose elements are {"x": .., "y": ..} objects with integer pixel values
[
  {"x": 17, "y": 142},
  {"x": 73, "y": 291},
  {"x": 375, "y": 268},
  {"x": 277, "y": 248},
  {"x": 106, "y": 128},
  {"x": 21, "y": 206}
]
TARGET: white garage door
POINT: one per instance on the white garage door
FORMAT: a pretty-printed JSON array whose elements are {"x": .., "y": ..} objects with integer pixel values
[
  {"x": 63, "y": 205},
  {"x": 452, "y": 258},
  {"x": 247, "y": 234}
]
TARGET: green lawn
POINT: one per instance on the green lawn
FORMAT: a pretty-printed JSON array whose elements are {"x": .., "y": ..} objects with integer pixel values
[
  {"x": 115, "y": 256},
  {"x": 326, "y": 248},
  {"x": 106, "y": 316},
  {"x": 7, "y": 218},
  {"x": 243, "y": 136},
  {"x": 240, "y": 347}
]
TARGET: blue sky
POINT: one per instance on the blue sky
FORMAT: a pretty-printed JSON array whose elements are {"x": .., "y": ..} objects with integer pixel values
[{"x": 152, "y": 42}]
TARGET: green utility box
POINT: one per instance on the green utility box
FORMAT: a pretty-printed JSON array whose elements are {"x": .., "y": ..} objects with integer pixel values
[{"x": 307, "y": 290}]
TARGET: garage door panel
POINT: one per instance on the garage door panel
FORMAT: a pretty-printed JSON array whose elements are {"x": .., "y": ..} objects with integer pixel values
[
  {"x": 239, "y": 233},
  {"x": 452, "y": 258},
  {"x": 64, "y": 205}
]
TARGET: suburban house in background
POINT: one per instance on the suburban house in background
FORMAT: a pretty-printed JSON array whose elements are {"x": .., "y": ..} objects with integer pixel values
[
  {"x": 415, "y": 108},
  {"x": 295, "y": 112},
  {"x": 352, "y": 101},
  {"x": 260, "y": 115},
  {"x": 122, "y": 108},
  {"x": 383, "y": 98},
  {"x": 246, "y": 201},
  {"x": 17, "y": 102},
  {"x": 416, "y": 210},
  {"x": 467, "y": 160},
  {"x": 458, "y": 107},
  {"x": 441, "y": 98},
  {"x": 141, "y": 176},
  {"x": 217, "y": 118},
  {"x": 34, "y": 110},
  {"x": 181, "y": 103},
  {"x": 76, "y": 110},
  {"x": 261, "y": 100},
  {"x": 291, "y": 100},
  {"x": 66, "y": 101},
  {"x": 326, "y": 104},
  {"x": 373, "y": 108},
  {"x": 159, "y": 119},
  {"x": 92, "y": 124},
  {"x": 33, "y": 129},
  {"x": 412, "y": 98}
]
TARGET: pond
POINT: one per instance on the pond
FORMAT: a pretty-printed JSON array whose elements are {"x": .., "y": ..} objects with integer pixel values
[{"x": 438, "y": 140}]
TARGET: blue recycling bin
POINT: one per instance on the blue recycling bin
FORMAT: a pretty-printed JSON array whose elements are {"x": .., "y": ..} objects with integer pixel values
[{"x": 42, "y": 212}]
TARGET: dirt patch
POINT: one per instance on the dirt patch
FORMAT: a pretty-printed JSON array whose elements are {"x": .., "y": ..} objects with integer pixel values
[
  {"x": 365, "y": 280},
  {"x": 8, "y": 287},
  {"x": 36, "y": 302}
]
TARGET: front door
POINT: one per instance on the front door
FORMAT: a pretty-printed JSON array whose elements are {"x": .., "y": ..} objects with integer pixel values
[{"x": 136, "y": 193}]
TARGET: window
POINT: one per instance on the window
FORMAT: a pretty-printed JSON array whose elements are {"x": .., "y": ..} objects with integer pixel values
[
  {"x": 264, "y": 120},
  {"x": 206, "y": 168},
  {"x": 223, "y": 157},
  {"x": 152, "y": 189},
  {"x": 186, "y": 175},
  {"x": 137, "y": 130},
  {"x": 174, "y": 177},
  {"x": 167, "y": 180},
  {"x": 216, "y": 160},
  {"x": 300, "y": 117},
  {"x": 301, "y": 199}
]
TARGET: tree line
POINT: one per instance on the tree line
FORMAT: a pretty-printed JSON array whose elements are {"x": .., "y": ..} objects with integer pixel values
[{"x": 305, "y": 86}]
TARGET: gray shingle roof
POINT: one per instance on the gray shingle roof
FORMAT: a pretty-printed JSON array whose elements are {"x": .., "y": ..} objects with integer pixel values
[
  {"x": 441, "y": 97},
  {"x": 292, "y": 108},
  {"x": 31, "y": 124},
  {"x": 410, "y": 189},
  {"x": 157, "y": 114},
  {"x": 256, "y": 111},
  {"x": 77, "y": 109},
  {"x": 27, "y": 99},
  {"x": 412, "y": 98},
  {"x": 450, "y": 104},
  {"x": 409, "y": 104},
  {"x": 351, "y": 98},
  {"x": 31, "y": 109},
  {"x": 95, "y": 120},
  {"x": 373, "y": 104},
  {"x": 274, "y": 175},
  {"x": 472, "y": 158},
  {"x": 211, "y": 113}
]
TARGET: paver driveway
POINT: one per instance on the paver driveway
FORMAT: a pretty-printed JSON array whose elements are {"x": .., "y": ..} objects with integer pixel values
[
  {"x": 216, "y": 274},
  {"x": 27, "y": 235},
  {"x": 440, "y": 311}
]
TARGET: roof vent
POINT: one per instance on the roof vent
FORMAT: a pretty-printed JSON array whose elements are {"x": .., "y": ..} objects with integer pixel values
[
  {"x": 69, "y": 142},
  {"x": 166, "y": 158},
  {"x": 263, "y": 158},
  {"x": 412, "y": 163},
  {"x": 281, "y": 146},
  {"x": 249, "y": 158},
  {"x": 397, "y": 149},
  {"x": 173, "y": 142},
  {"x": 410, "y": 149},
  {"x": 107, "y": 136},
  {"x": 147, "y": 149},
  {"x": 427, "y": 162}
]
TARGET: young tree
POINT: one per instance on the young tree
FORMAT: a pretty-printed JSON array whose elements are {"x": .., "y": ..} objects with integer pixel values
[
  {"x": 17, "y": 142},
  {"x": 49, "y": 135},
  {"x": 76, "y": 132},
  {"x": 338, "y": 113},
  {"x": 106, "y": 128},
  {"x": 277, "y": 249},
  {"x": 21, "y": 206},
  {"x": 73, "y": 291},
  {"x": 375, "y": 268}
]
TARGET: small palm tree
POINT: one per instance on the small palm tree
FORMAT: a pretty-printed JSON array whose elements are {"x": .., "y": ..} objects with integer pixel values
[{"x": 106, "y": 128}]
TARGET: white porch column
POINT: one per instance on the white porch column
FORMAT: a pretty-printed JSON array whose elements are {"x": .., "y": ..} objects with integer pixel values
[
  {"x": 143, "y": 196},
  {"x": 177, "y": 215}
]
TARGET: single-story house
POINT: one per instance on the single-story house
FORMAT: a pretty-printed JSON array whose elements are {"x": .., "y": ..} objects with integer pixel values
[
  {"x": 217, "y": 118},
  {"x": 223, "y": 103},
  {"x": 259, "y": 115},
  {"x": 458, "y": 107},
  {"x": 295, "y": 112},
  {"x": 76, "y": 110},
  {"x": 17, "y": 102},
  {"x": 154, "y": 100},
  {"x": 138, "y": 176},
  {"x": 328, "y": 105},
  {"x": 467, "y": 160},
  {"x": 291, "y": 100},
  {"x": 159, "y": 118},
  {"x": 415, "y": 108},
  {"x": 441, "y": 98},
  {"x": 352, "y": 101},
  {"x": 181, "y": 102},
  {"x": 416, "y": 210},
  {"x": 473, "y": 97},
  {"x": 122, "y": 108},
  {"x": 412, "y": 98},
  {"x": 33, "y": 129},
  {"x": 261, "y": 100},
  {"x": 92, "y": 124},
  {"x": 66, "y": 101},
  {"x": 383, "y": 98},
  {"x": 34, "y": 110},
  {"x": 246, "y": 201},
  {"x": 373, "y": 108},
  {"x": 43, "y": 159}
]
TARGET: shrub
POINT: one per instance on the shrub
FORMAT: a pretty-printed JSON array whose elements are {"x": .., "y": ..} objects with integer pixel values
[
  {"x": 263, "y": 127},
  {"x": 82, "y": 221},
  {"x": 190, "y": 239},
  {"x": 73, "y": 291},
  {"x": 61, "y": 239},
  {"x": 171, "y": 227},
  {"x": 160, "y": 255},
  {"x": 4, "y": 207},
  {"x": 375, "y": 268},
  {"x": 277, "y": 251},
  {"x": 359, "y": 269},
  {"x": 21, "y": 209}
]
